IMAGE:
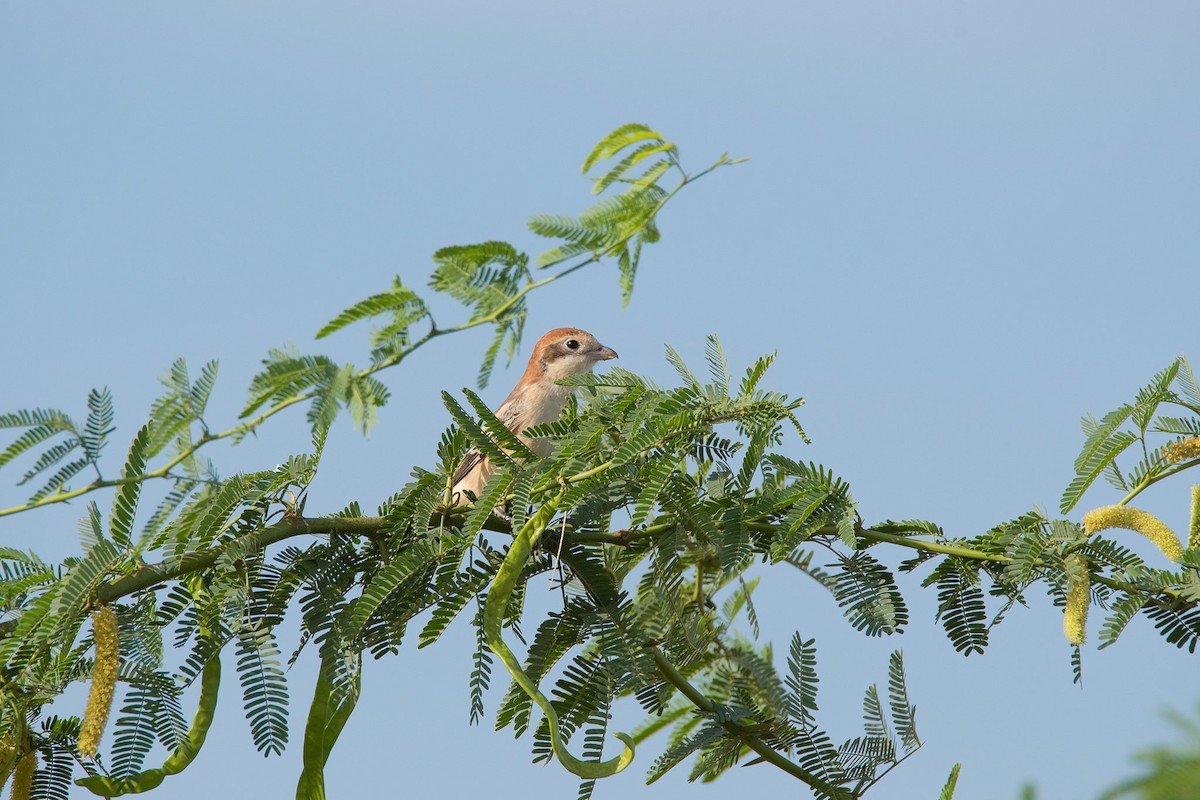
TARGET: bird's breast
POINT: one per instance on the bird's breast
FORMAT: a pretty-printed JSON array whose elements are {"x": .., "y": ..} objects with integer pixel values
[{"x": 545, "y": 406}]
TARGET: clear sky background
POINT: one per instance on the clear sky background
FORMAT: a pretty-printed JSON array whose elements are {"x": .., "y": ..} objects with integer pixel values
[{"x": 964, "y": 225}]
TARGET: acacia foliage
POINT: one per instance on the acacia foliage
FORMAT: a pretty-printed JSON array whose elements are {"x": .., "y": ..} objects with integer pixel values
[{"x": 669, "y": 498}]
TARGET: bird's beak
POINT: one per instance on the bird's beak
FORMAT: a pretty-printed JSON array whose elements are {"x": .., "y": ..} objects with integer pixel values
[{"x": 602, "y": 353}]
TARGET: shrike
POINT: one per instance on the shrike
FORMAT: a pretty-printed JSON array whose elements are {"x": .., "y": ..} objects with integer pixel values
[{"x": 535, "y": 400}]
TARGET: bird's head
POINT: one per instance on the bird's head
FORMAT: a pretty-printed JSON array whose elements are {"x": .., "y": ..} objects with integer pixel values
[{"x": 567, "y": 351}]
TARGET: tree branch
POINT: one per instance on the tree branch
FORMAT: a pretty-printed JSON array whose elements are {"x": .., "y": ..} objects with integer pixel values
[
  {"x": 739, "y": 731},
  {"x": 151, "y": 575}
]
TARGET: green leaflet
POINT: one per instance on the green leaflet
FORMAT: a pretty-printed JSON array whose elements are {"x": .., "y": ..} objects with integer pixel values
[
  {"x": 496, "y": 429},
  {"x": 617, "y": 140},
  {"x": 286, "y": 374},
  {"x": 707, "y": 736},
  {"x": 869, "y": 594},
  {"x": 620, "y": 224},
  {"x": 482, "y": 440},
  {"x": 903, "y": 712},
  {"x": 1108, "y": 438},
  {"x": 403, "y": 303},
  {"x": 481, "y": 674},
  {"x": 264, "y": 687},
  {"x": 491, "y": 279},
  {"x": 947, "y": 792},
  {"x": 125, "y": 503},
  {"x": 412, "y": 564},
  {"x": 43, "y": 423},
  {"x": 961, "y": 609}
]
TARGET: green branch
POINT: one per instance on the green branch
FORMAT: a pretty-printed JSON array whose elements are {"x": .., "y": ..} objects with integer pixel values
[
  {"x": 1149, "y": 481},
  {"x": 62, "y": 496},
  {"x": 625, "y": 538},
  {"x": 149, "y": 576},
  {"x": 739, "y": 731},
  {"x": 929, "y": 547},
  {"x": 152, "y": 574}
]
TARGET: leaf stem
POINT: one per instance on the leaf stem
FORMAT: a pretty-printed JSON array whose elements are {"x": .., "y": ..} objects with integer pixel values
[
  {"x": 930, "y": 547},
  {"x": 1148, "y": 481},
  {"x": 149, "y": 576}
]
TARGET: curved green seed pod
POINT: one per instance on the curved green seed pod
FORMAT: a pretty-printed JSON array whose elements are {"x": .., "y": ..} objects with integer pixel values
[
  {"x": 185, "y": 753},
  {"x": 326, "y": 718},
  {"x": 107, "y": 786},
  {"x": 493, "y": 618},
  {"x": 1134, "y": 519},
  {"x": 210, "y": 686}
]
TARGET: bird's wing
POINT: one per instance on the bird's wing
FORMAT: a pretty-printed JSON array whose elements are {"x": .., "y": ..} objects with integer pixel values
[
  {"x": 469, "y": 463},
  {"x": 507, "y": 414}
]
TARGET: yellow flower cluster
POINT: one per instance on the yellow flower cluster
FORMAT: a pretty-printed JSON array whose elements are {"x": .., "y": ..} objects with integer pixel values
[
  {"x": 8, "y": 759},
  {"x": 104, "y": 680},
  {"x": 1134, "y": 519},
  {"x": 1079, "y": 597},
  {"x": 1182, "y": 450},
  {"x": 22, "y": 785},
  {"x": 1194, "y": 527}
]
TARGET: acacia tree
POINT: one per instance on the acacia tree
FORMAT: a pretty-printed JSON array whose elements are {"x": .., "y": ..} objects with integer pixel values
[{"x": 653, "y": 507}]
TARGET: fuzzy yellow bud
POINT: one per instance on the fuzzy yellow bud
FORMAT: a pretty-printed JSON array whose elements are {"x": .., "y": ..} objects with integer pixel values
[
  {"x": 1134, "y": 519},
  {"x": 22, "y": 785},
  {"x": 8, "y": 759},
  {"x": 1079, "y": 597},
  {"x": 104, "y": 680},
  {"x": 1182, "y": 450},
  {"x": 1194, "y": 528}
]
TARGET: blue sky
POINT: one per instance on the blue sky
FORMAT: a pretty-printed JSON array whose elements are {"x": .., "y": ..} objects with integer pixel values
[{"x": 963, "y": 226}]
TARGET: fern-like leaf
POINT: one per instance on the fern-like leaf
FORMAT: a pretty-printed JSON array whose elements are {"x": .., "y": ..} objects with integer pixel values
[
  {"x": 802, "y": 681},
  {"x": 962, "y": 612},
  {"x": 904, "y": 713},
  {"x": 99, "y": 423},
  {"x": 708, "y": 736},
  {"x": 400, "y": 301},
  {"x": 126, "y": 501},
  {"x": 1179, "y": 625},
  {"x": 1122, "y": 613},
  {"x": 41, "y": 425},
  {"x": 617, "y": 140},
  {"x": 869, "y": 594},
  {"x": 264, "y": 688},
  {"x": 1105, "y": 442}
]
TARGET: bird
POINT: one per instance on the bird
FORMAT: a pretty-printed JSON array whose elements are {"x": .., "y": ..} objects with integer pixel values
[{"x": 536, "y": 399}]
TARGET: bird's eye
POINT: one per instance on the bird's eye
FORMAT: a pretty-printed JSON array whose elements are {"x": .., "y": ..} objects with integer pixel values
[{"x": 572, "y": 344}]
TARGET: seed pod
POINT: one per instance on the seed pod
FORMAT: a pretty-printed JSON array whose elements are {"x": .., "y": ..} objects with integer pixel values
[
  {"x": 189, "y": 746},
  {"x": 1134, "y": 519},
  {"x": 104, "y": 680}
]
